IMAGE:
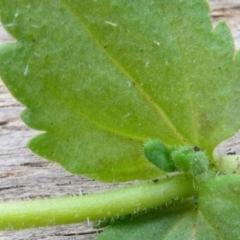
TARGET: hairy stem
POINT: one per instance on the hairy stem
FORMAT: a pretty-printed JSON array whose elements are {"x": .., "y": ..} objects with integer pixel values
[{"x": 129, "y": 200}]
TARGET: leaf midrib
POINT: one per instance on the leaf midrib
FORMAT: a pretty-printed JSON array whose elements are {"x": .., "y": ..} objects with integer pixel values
[
  {"x": 210, "y": 226},
  {"x": 175, "y": 225},
  {"x": 118, "y": 66}
]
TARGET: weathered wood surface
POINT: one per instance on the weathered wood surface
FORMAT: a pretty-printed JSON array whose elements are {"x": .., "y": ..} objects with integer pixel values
[{"x": 25, "y": 176}]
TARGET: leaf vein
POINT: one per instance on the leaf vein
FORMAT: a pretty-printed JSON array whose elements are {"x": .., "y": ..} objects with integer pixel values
[{"x": 116, "y": 63}]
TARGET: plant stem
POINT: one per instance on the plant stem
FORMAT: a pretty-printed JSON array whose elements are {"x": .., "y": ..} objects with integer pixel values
[{"x": 116, "y": 203}]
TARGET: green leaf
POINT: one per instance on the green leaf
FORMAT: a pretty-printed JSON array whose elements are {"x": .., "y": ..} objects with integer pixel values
[
  {"x": 179, "y": 222},
  {"x": 220, "y": 206},
  {"x": 160, "y": 155},
  {"x": 188, "y": 159},
  {"x": 100, "y": 78}
]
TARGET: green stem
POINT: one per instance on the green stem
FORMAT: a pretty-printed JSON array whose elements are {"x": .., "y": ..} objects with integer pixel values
[{"x": 129, "y": 200}]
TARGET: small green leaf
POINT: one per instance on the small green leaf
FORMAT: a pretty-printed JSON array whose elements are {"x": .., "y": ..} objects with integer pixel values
[
  {"x": 179, "y": 222},
  {"x": 160, "y": 155},
  {"x": 180, "y": 158},
  {"x": 219, "y": 203},
  {"x": 188, "y": 160}
]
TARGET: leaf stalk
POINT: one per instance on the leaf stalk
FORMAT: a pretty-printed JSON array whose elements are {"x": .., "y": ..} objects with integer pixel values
[{"x": 110, "y": 204}]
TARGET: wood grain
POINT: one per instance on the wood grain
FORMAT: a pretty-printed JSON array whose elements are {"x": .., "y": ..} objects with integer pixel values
[{"x": 25, "y": 176}]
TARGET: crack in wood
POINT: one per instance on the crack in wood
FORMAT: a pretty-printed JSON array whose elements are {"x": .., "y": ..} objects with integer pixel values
[{"x": 35, "y": 164}]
